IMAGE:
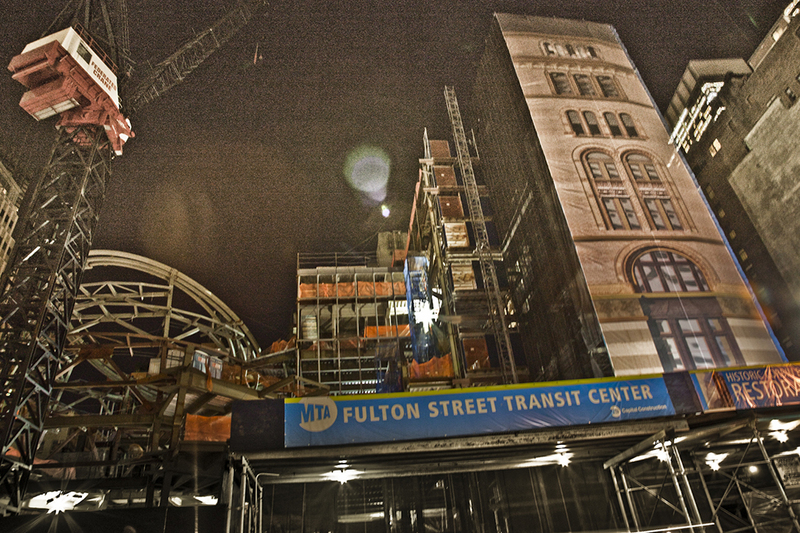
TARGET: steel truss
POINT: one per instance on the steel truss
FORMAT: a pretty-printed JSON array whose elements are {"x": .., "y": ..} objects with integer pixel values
[
  {"x": 728, "y": 482},
  {"x": 40, "y": 286}
]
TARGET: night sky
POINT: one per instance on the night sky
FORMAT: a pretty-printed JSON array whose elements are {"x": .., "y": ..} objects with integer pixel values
[{"x": 241, "y": 167}]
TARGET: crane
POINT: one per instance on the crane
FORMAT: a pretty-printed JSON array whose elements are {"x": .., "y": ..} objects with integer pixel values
[
  {"x": 482, "y": 247},
  {"x": 72, "y": 73}
]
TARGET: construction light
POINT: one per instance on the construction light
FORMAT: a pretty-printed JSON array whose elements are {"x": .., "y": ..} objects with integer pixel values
[
  {"x": 713, "y": 460},
  {"x": 780, "y": 436},
  {"x": 342, "y": 476},
  {"x": 56, "y": 501}
]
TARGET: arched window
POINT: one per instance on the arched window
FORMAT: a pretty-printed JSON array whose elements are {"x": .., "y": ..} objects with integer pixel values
[
  {"x": 630, "y": 127},
  {"x": 575, "y": 121},
  {"x": 613, "y": 124},
  {"x": 642, "y": 168},
  {"x": 663, "y": 271},
  {"x": 693, "y": 334},
  {"x": 601, "y": 166},
  {"x": 591, "y": 122}
]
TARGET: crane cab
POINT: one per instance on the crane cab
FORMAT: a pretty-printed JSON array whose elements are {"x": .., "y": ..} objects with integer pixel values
[{"x": 67, "y": 74}]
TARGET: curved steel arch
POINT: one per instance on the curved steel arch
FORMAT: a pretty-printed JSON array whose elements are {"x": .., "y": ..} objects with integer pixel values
[{"x": 126, "y": 304}]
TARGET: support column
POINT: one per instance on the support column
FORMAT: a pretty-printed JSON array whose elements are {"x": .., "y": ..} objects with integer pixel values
[
  {"x": 619, "y": 498},
  {"x": 776, "y": 479},
  {"x": 677, "y": 485},
  {"x": 687, "y": 487}
]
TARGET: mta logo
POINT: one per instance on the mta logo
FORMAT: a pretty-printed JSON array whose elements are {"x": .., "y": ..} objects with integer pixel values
[{"x": 317, "y": 414}]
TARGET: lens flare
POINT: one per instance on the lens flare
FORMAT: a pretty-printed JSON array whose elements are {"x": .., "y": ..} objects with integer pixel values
[{"x": 367, "y": 170}]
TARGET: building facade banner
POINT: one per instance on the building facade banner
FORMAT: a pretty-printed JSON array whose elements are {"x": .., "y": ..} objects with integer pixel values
[
  {"x": 771, "y": 386},
  {"x": 324, "y": 421}
]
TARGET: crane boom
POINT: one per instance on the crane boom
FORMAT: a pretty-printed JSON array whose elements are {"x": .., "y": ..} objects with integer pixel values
[{"x": 174, "y": 69}]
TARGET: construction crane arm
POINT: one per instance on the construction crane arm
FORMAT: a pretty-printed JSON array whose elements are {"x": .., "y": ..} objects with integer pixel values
[{"x": 172, "y": 70}]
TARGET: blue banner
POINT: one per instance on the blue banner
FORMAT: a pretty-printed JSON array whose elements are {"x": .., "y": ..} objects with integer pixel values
[
  {"x": 324, "y": 421},
  {"x": 770, "y": 386}
]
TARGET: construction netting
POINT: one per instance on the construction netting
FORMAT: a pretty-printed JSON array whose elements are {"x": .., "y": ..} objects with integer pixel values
[
  {"x": 436, "y": 367},
  {"x": 350, "y": 289},
  {"x": 207, "y": 428}
]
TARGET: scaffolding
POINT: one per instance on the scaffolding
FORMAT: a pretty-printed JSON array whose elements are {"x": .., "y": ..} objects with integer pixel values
[{"x": 353, "y": 333}]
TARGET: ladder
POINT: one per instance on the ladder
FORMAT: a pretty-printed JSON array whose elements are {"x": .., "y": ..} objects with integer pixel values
[{"x": 494, "y": 298}]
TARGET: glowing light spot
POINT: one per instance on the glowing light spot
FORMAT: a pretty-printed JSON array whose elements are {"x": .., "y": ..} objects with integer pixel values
[
  {"x": 385, "y": 211},
  {"x": 367, "y": 170}
]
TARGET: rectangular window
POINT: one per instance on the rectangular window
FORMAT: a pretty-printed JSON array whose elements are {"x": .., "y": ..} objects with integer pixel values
[
  {"x": 655, "y": 214},
  {"x": 613, "y": 214},
  {"x": 630, "y": 215},
  {"x": 607, "y": 86},
  {"x": 584, "y": 84},
  {"x": 620, "y": 213},
  {"x": 560, "y": 83},
  {"x": 672, "y": 216},
  {"x": 594, "y": 166},
  {"x": 637, "y": 172},
  {"x": 612, "y": 171},
  {"x": 651, "y": 172}
]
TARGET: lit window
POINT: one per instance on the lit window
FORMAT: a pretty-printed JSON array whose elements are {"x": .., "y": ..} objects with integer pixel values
[
  {"x": 608, "y": 87},
  {"x": 575, "y": 122},
  {"x": 627, "y": 121},
  {"x": 584, "y": 84},
  {"x": 560, "y": 83},
  {"x": 591, "y": 122},
  {"x": 613, "y": 124}
]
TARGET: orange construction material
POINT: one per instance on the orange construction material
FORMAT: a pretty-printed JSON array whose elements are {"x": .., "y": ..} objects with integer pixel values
[
  {"x": 366, "y": 288},
  {"x": 207, "y": 428},
  {"x": 438, "y": 367},
  {"x": 401, "y": 330},
  {"x": 307, "y": 290},
  {"x": 345, "y": 289},
  {"x": 476, "y": 354}
]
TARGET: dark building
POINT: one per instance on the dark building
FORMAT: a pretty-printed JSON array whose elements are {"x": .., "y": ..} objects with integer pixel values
[{"x": 743, "y": 148}]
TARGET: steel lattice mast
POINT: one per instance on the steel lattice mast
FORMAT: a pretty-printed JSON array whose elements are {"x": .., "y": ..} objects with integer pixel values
[
  {"x": 55, "y": 233},
  {"x": 497, "y": 317}
]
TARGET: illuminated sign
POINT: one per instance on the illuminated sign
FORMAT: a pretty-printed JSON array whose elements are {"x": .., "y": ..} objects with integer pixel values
[{"x": 323, "y": 421}]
